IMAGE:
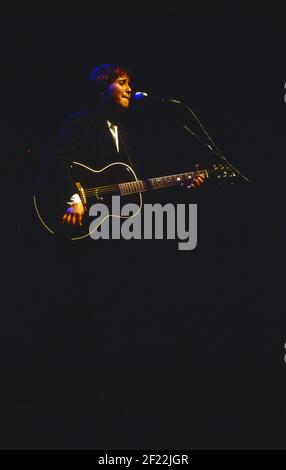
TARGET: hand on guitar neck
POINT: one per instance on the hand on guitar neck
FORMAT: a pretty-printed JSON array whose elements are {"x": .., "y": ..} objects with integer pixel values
[
  {"x": 196, "y": 181},
  {"x": 74, "y": 214}
]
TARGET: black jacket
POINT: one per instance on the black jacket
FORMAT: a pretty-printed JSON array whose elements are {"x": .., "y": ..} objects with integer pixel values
[{"x": 84, "y": 137}]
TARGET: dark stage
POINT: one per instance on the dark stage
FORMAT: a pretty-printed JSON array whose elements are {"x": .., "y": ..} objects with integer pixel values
[{"x": 134, "y": 344}]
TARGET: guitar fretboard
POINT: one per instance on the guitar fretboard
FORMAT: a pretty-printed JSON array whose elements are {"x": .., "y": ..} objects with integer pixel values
[
  {"x": 132, "y": 187},
  {"x": 222, "y": 173},
  {"x": 157, "y": 183}
]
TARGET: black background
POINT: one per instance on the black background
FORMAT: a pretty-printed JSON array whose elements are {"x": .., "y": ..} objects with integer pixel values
[{"x": 135, "y": 344}]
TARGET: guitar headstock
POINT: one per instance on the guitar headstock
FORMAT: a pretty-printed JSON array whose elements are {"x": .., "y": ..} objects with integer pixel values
[{"x": 224, "y": 173}]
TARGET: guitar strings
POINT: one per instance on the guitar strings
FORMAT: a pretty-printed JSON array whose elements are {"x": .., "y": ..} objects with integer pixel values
[
  {"x": 111, "y": 188},
  {"x": 132, "y": 183},
  {"x": 102, "y": 188}
]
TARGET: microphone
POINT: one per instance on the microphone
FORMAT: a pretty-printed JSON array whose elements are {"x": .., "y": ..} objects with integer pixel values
[{"x": 143, "y": 96}]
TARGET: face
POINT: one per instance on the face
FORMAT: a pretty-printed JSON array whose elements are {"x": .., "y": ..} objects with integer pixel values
[{"x": 119, "y": 91}]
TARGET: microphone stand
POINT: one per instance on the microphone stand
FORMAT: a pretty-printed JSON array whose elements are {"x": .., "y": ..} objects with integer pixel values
[{"x": 214, "y": 148}]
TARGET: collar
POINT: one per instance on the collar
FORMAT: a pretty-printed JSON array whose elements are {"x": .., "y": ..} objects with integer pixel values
[{"x": 111, "y": 126}]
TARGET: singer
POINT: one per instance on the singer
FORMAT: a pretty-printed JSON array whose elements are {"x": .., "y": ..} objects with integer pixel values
[{"x": 95, "y": 136}]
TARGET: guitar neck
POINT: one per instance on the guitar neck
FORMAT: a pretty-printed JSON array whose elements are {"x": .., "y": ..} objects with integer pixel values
[
  {"x": 222, "y": 172},
  {"x": 174, "y": 180},
  {"x": 160, "y": 182}
]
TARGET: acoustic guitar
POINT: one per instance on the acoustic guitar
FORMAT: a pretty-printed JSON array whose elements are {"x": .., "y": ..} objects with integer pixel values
[{"x": 98, "y": 186}]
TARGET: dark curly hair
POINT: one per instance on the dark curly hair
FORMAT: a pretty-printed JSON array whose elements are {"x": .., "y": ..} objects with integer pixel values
[{"x": 103, "y": 75}]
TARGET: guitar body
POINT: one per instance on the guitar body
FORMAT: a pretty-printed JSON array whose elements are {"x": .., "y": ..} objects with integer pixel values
[{"x": 93, "y": 186}]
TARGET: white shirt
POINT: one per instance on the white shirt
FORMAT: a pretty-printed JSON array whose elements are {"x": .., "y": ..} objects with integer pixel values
[{"x": 114, "y": 131}]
